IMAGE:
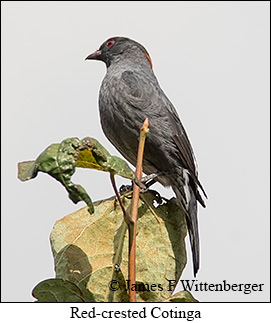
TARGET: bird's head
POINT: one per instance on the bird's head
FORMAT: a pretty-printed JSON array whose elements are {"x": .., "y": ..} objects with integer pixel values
[{"x": 118, "y": 48}]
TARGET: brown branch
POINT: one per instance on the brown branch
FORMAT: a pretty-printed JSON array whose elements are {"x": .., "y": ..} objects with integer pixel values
[
  {"x": 127, "y": 216},
  {"x": 132, "y": 228},
  {"x": 131, "y": 220}
]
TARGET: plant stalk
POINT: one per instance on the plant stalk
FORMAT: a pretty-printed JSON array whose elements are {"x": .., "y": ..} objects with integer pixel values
[
  {"x": 134, "y": 212},
  {"x": 127, "y": 217}
]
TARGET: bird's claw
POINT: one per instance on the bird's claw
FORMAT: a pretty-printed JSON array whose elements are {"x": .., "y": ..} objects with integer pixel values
[{"x": 147, "y": 181}]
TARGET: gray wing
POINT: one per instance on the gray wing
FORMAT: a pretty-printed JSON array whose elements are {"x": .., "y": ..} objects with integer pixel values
[{"x": 144, "y": 93}]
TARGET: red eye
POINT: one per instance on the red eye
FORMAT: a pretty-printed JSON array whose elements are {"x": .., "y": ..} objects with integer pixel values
[{"x": 110, "y": 43}]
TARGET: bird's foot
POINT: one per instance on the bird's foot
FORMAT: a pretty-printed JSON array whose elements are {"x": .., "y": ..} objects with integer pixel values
[
  {"x": 125, "y": 189},
  {"x": 147, "y": 181}
]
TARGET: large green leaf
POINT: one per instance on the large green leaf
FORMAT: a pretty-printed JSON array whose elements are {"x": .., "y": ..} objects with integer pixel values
[
  {"x": 57, "y": 290},
  {"x": 60, "y": 161},
  {"x": 91, "y": 250}
]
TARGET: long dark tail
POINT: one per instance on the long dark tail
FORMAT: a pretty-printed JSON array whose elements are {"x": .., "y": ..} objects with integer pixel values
[
  {"x": 193, "y": 230},
  {"x": 192, "y": 223}
]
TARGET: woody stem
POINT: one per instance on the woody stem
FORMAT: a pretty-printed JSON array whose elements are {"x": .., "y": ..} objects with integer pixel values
[{"x": 134, "y": 212}]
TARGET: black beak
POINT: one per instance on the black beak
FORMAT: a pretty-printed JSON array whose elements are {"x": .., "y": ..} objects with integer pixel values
[{"x": 95, "y": 55}]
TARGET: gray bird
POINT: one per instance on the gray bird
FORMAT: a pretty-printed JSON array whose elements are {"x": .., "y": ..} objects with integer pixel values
[{"x": 130, "y": 93}]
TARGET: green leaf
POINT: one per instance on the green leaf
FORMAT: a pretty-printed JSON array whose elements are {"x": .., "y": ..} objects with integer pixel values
[
  {"x": 57, "y": 290},
  {"x": 60, "y": 161},
  {"x": 27, "y": 170},
  {"x": 86, "y": 248},
  {"x": 182, "y": 297},
  {"x": 94, "y": 155}
]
